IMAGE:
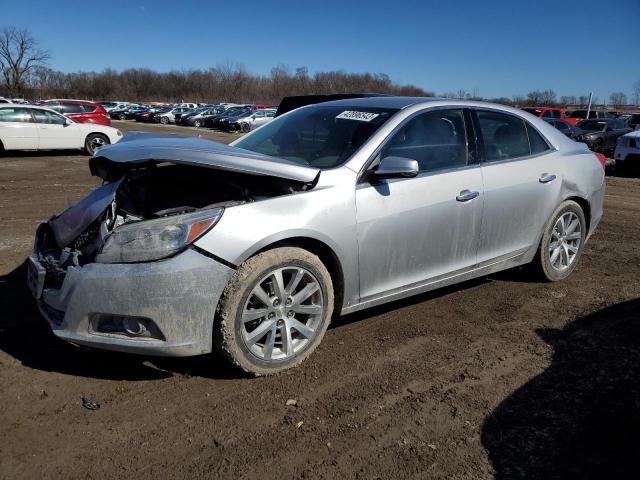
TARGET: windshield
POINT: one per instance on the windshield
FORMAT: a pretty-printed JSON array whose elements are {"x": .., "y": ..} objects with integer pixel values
[
  {"x": 593, "y": 125},
  {"x": 317, "y": 136}
]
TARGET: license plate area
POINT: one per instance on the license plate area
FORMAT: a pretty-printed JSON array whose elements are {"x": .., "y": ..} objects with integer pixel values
[{"x": 35, "y": 277}]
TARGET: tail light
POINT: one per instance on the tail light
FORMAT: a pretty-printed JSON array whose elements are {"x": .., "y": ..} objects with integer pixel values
[{"x": 602, "y": 159}]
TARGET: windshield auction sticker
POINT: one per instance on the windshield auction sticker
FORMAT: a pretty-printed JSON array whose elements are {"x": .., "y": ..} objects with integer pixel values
[{"x": 360, "y": 116}]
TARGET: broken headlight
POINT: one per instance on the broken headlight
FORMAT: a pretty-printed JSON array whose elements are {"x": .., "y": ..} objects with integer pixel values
[{"x": 155, "y": 239}]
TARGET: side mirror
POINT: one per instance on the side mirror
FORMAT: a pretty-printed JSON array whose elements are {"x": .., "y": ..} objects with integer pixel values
[
  {"x": 67, "y": 122},
  {"x": 396, "y": 167}
]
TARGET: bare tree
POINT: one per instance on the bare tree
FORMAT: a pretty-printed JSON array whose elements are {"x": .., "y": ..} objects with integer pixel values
[
  {"x": 19, "y": 56},
  {"x": 635, "y": 95},
  {"x": 617, "y": 99}
]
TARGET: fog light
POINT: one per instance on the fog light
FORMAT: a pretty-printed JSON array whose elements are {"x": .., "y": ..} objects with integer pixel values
[{"x": 125, "y": 325}]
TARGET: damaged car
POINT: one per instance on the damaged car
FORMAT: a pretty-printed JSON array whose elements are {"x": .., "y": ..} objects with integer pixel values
[{"x": 249, "y": 249}]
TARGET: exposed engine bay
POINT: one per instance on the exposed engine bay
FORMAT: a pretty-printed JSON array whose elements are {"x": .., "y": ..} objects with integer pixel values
[{"x": 152, "y": 191}]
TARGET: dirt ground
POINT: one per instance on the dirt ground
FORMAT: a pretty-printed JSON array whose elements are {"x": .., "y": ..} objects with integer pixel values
[{"x": 500, "y": 377}]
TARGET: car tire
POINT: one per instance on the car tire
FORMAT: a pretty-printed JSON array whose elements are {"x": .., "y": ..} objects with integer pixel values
[
  {"x": 197, "y": 123},
  {"x": 164, "y": 120},
  {"x": 260, "y": 345},
  {"x": 561, "y": 246},
  {"x": 94, "y": 142},
  {"x": 245, "y": 128},
  {"x": 122, "y": 116}
]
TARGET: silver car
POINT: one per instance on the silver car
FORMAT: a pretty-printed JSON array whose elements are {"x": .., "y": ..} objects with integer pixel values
[{"x": 250, "y": 249}]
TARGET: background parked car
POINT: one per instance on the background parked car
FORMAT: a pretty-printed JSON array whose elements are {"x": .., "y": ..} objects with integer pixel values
[
  {"x": 80, "y": 110},
  {"x": 627, "y": 153},
  {"x": 601, "y": 135},
  {"x": 251, "y": 121},
  {"x": 218, "y": 121},
  {"x": 633, "y": 121},
  {"x": 565, "y": 127},
  {"x": 197, "y": 118},
  {"x": 27, "y": 127},
  {"x": 578, "y": 115},
  {"x": 546, "y": 112},
  {"x": 168, "y": 116}
]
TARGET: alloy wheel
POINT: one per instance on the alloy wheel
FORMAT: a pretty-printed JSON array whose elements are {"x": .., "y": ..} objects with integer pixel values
[
  {"x": 566, "y": 238},
  {"x": 282, "y": 313}
]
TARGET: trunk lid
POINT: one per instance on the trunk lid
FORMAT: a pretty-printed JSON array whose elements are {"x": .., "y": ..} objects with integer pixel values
[{"x": 137, "y": 149}]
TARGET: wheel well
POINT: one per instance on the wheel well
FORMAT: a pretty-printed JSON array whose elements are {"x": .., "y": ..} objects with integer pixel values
[
  {"x": 586, "y": 208},
  {"x": 326, "y": 255}
]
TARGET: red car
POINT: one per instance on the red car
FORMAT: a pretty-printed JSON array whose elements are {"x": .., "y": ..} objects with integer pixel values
[
  {"x": 546, "y": 112},
  {"x": 80, "y": 110}
]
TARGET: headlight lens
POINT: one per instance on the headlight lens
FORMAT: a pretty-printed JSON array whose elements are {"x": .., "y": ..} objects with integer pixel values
[{"x": 155, "y": 239}]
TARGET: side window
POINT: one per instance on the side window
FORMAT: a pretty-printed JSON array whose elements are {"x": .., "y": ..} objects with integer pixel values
[
  {"x": 53, "y": 106},
  {"x": 555, "y": 113},
  {"x": 88, "y": 108},
  {"x": 19, "y": 115},
  {"x": 504, "y": 136},
  {"x": 70, "y": 108},
  {"x": 548, "y": 114},
  {"x": 562, "y": 126},
  {"x": 436, "y": 140},
  {"x": 42, "y": 116},
  {"x": 538, "y": 144}
]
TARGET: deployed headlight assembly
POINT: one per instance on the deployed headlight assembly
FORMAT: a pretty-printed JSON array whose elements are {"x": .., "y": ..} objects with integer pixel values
[{"x": 155, "y": 239}]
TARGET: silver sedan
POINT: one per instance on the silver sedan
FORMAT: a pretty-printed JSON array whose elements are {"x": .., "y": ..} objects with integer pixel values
[{"x": 250, "y": 249}]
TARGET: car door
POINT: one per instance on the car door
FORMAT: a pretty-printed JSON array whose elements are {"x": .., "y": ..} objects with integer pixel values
[
  {"x": 522, "y": 183},
  {"x": 56, "y": 131},
  {"x": 413, "y": 230},
  {"x": 17, "y": 129}
]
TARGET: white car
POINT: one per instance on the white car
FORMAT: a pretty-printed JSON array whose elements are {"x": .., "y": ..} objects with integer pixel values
[
  {"x": 627, "y": 153},
  {"x": 251, "y": 120},
  {"x": 170, "y": 116},
  {"x": 27, "y": 127}
]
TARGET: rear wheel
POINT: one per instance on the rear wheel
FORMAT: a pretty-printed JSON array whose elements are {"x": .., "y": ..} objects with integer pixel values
[
  {"x": 197, "y": 123},
  {"x": 244, "y": 127},
  {"x": 274, "y": 311},
  {"x": 122, "y": 116},
  {"x": 562, "y": 243},
  {"x": 95, "y": 142},
  {"x": 164, "y": 120}
]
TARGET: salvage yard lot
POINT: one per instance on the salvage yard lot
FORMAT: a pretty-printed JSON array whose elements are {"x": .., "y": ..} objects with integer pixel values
[{"x": 500, "y": 376}]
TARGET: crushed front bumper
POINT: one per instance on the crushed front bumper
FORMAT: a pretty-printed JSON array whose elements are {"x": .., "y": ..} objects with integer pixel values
[{"x": 178, "y": 296}]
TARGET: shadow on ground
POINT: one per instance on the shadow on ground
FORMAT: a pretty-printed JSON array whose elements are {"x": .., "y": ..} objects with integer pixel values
[
  {"x": 580, "y": 419},
  {"x": 25, "y": 335}
]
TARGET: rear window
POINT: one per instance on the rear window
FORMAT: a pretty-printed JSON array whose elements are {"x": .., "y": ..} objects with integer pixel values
[
  {"x": 89, "y": 108},
  {"x": 537, "y": 143},
  {"x": 70, "y": 108}
]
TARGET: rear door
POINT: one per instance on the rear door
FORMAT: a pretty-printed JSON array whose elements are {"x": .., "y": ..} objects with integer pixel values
[
  {"x": 415, "y": 230},
  {"x": 17, "y": 129},
  {"x": 522, "y": 182}
]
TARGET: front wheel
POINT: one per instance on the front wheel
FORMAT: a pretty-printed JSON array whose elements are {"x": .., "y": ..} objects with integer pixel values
[
  {"x": 164, "y": 120},
  {"x": 197, "y": 123},
  {"x": 274, "y": 311},
  {"x": 244, "y": 127},
  {"x": 562, "y": 243},
  {"x": 95, "y": 142}
]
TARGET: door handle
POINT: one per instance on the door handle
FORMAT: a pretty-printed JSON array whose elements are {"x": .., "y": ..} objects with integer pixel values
[
  {"x": 546, "y": 178},
  {"x": 466, "y": 195}
]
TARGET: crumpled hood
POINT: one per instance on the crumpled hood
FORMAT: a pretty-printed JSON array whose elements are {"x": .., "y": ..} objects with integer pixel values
[{"x": 139, "y": 148}]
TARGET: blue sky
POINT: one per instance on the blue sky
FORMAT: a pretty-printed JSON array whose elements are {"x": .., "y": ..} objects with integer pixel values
[{"x": 498, "y": 47}]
